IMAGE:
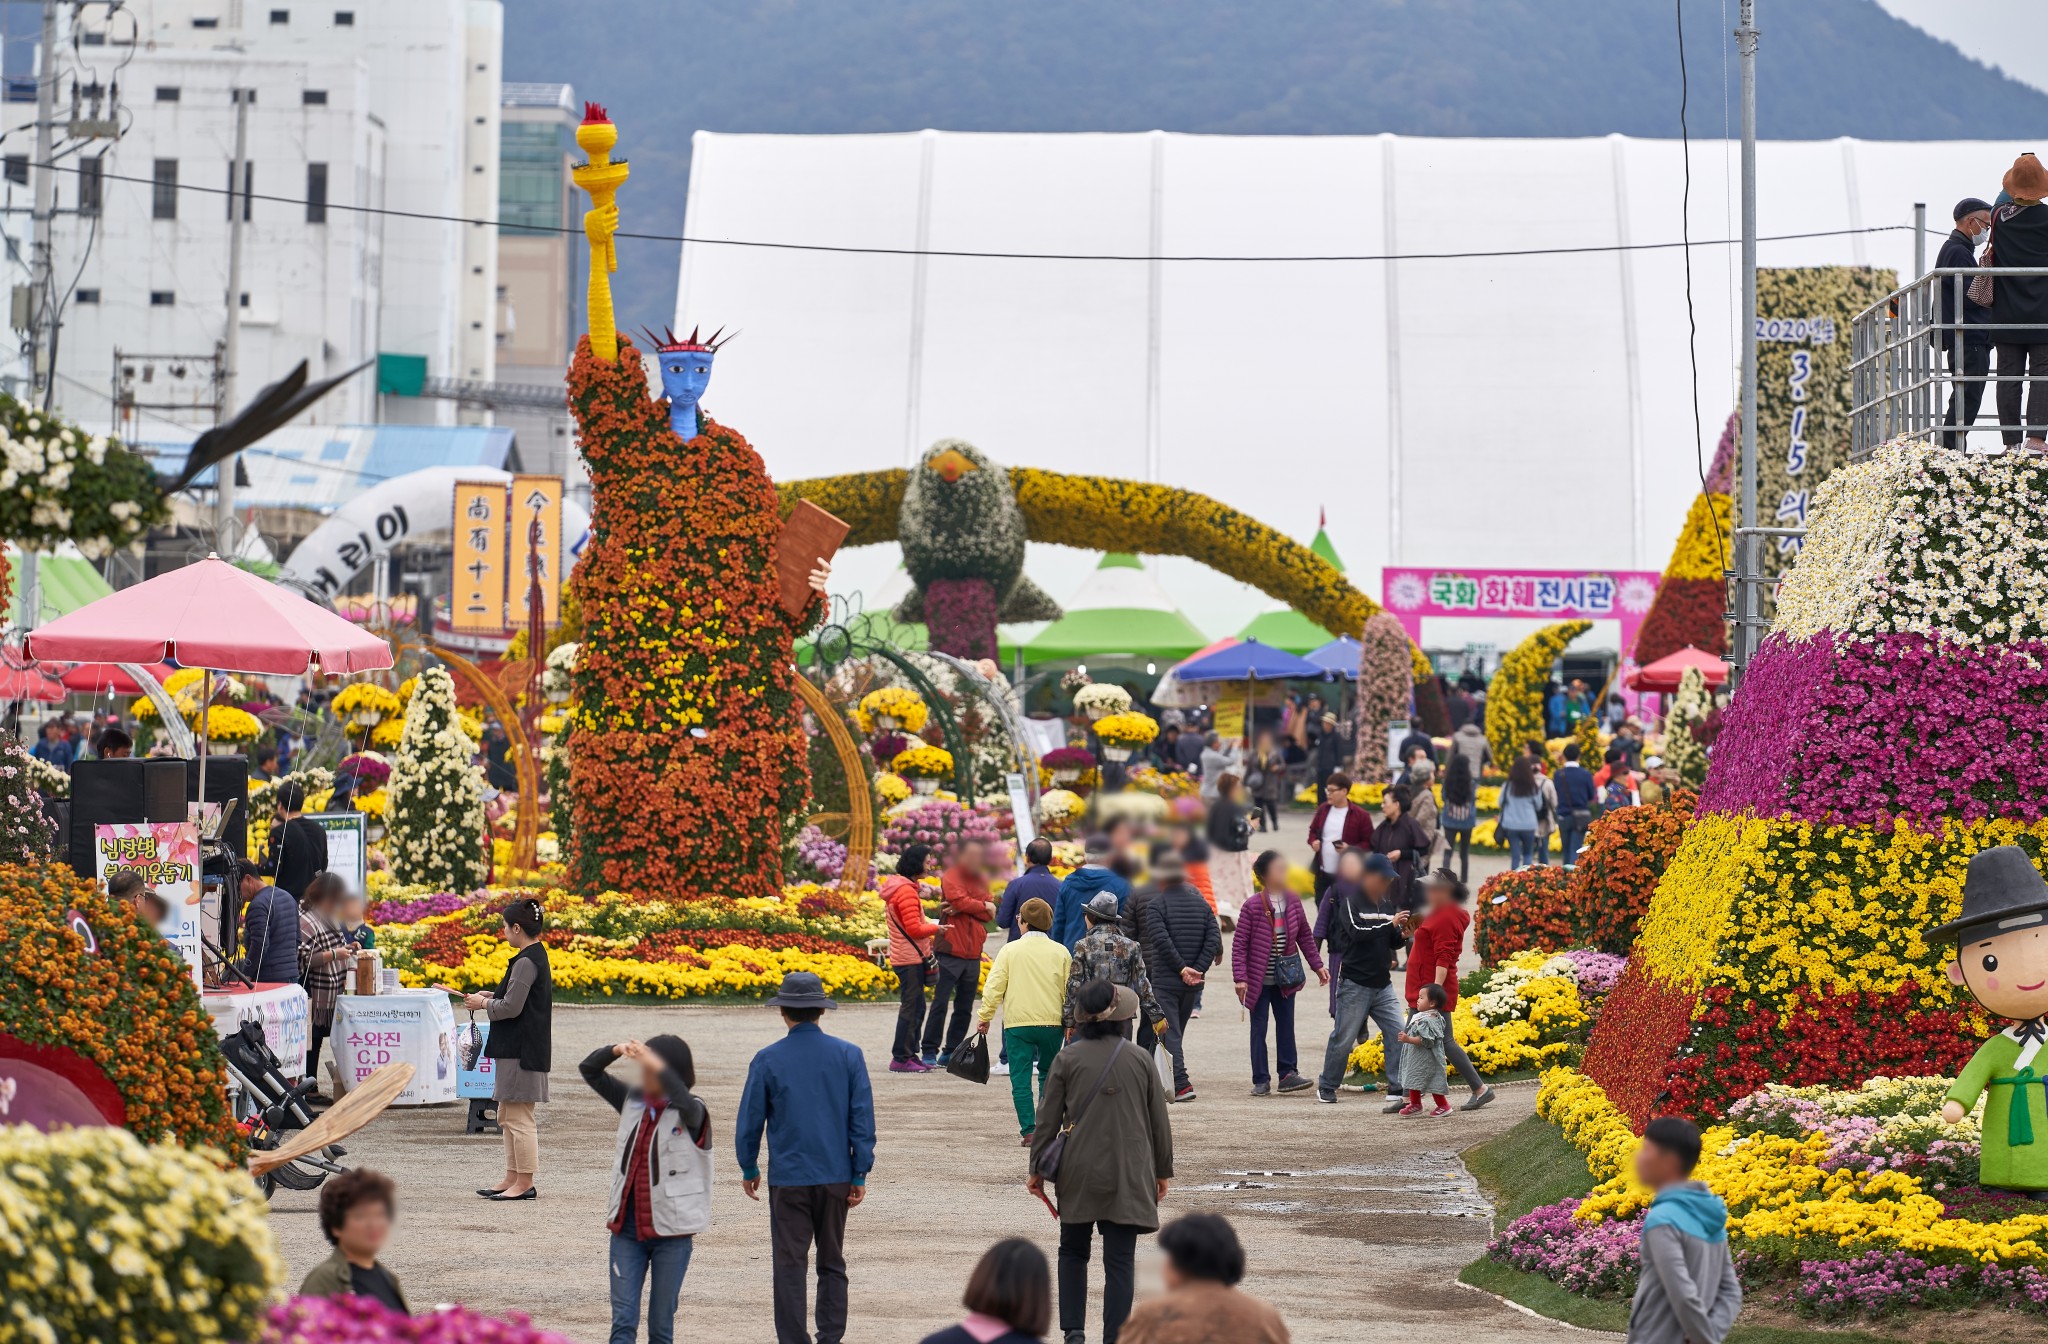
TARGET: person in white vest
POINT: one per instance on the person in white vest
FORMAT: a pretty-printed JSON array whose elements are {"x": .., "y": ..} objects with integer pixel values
[{"x": 661, "y": 1180}]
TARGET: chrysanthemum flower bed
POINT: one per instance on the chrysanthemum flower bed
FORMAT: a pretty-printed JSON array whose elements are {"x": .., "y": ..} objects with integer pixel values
[
  {"x": 1530, "y": 1012},
  {"x": 618, "y": 947},
  {"x": 1842, "y": 1201}
]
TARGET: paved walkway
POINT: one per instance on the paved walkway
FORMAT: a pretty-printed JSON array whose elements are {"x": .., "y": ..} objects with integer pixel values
[{"x": 1356, "y": 1222}]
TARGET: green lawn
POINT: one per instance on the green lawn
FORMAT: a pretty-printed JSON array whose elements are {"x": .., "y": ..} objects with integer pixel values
[{"x": 1531, "y": 1164}]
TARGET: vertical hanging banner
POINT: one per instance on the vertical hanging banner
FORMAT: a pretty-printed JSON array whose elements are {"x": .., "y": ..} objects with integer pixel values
[
  {"x": 479, "y": 588},
  {"x": 166, "y": 853},
  {"x": 536, "y": 497}
]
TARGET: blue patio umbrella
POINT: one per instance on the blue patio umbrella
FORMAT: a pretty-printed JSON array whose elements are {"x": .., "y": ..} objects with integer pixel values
[
  {"x": 1250, "y": 660},
  {"x": 1339, "y": 657}
]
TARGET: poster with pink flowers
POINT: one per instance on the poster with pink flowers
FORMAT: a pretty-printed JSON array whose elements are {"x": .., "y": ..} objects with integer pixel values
[{"x": 166, "y": 853}]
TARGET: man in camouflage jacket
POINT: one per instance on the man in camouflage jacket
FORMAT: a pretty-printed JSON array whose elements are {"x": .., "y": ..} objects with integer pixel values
[{"x": 1103, "y": 953}]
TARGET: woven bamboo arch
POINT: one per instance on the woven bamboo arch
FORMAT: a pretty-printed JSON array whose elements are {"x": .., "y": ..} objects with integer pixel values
[
  {"x": 526, "y": 818},
  {"x": 860, "y": 831}
]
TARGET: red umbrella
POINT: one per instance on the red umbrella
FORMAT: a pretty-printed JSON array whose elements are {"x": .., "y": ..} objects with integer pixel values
[
  {"x": 22, "y": 680},
  {"x": 109, "y": 679},
  {"x": 1664, "y": 674},
  {"x": 214, "y": 616}
]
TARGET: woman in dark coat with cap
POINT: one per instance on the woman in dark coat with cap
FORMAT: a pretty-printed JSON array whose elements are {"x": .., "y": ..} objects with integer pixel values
[
  {"x": 2019, "y": 304},
  {"x": 1118, "y": 1156}
]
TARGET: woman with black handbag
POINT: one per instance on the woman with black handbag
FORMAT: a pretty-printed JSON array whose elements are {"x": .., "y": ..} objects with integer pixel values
[
  {"x": 1103, "y": 1140},
  {"x": 1272, "y": 936},
  {"x": 1229, "y": 829},
  {"x": 914, "y": 961}
]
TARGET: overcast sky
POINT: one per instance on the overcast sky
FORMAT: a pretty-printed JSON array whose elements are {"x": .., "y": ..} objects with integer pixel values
[{"x": 2009, "y": 34}]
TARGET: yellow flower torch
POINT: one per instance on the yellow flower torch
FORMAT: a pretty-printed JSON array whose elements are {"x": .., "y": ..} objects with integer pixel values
[{"x": 602, "y": 177}]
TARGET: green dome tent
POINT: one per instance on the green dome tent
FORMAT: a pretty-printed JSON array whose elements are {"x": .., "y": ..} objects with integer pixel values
[
  {"x": 1119, "y": 611},
  {"x": 1286, "y": 628}
]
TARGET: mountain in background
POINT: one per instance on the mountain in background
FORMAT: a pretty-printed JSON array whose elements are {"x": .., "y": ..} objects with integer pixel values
[{"x": 666, "y": 68}]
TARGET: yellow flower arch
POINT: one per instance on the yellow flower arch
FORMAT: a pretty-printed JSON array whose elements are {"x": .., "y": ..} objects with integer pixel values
[{"x": 1102, "y": 513}]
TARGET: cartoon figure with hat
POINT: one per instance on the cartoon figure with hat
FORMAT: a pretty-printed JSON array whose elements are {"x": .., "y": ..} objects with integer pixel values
[{"x": 2001, "y": 941}]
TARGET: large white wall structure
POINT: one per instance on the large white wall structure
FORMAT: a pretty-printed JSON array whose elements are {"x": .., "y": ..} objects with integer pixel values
[{"x": 1501, "y": 411}]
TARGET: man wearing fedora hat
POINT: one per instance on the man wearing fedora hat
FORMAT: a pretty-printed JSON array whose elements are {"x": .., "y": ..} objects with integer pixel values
[
  {"x": 809, "y": 1092},
  {"x": 2001, "y": 941},
  {"x": 1104, "y": 953}
]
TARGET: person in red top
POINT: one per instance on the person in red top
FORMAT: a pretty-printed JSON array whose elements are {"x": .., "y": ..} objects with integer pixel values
[
  {"x": 1434, "y": 949},
  {"x": 966, "y": 907},
  {"x": 663, "y": 1128},
  {"x": 912, "y": 941},
  {"x": 1339, "y": 824}
]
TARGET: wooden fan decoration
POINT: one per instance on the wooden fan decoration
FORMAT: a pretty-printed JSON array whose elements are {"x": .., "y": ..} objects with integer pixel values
[{"x": 364, "y": 1103}]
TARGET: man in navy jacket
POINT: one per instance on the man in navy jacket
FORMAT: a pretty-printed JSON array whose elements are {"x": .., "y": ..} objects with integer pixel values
[
  {"x": 809, "y": 1092},
  {"x": 270, "y": 929}
]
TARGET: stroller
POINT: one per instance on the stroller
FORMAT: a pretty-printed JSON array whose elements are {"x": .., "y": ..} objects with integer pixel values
[{"x": 271, "y": 1106}]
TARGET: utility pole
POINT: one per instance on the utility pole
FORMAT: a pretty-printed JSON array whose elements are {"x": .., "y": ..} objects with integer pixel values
[
  {"x": 42, "y": 287},
  {"x": 1748, "y": 554},
  {"x": 231, "y": 346},
  {"x": 1919, "y": 239}
]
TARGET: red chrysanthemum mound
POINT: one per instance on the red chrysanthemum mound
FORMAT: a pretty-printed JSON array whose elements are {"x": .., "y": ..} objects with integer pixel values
[
  {"x": 1522, "y": 909},
  {"x": 1597, "y": 904},
  {"x": 1619, "y": 866},
  {"x": 686, "y": 752}
]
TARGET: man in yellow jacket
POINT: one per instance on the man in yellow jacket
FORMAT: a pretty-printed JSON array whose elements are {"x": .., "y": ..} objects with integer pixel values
[{"x": 1029, "y": 983}]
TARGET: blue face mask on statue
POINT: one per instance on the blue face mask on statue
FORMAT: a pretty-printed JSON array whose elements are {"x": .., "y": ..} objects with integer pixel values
[{"x": 685, "y": 373}]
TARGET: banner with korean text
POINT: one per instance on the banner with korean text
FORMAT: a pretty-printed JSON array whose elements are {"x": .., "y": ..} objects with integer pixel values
[
  {"x": 1527, "y": 594},
  {"x": 478, "y": 603}
]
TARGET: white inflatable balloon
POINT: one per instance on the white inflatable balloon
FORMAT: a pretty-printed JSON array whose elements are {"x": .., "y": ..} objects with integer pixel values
[{"x": 388, "y": 514}]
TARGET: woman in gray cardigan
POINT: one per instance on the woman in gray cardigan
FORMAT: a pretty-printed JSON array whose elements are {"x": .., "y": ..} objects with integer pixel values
[{"x": 1105, "y": 1095}]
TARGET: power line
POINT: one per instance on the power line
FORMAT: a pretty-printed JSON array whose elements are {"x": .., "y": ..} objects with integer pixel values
[{"x": 1006, "y": 256}]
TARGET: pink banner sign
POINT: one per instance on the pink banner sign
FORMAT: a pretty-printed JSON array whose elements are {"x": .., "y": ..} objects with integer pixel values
[{"x": 1526, "y": 594}]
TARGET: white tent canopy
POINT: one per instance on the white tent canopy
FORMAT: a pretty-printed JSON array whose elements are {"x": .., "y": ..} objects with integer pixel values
[{"x": 1531, "y": 411}]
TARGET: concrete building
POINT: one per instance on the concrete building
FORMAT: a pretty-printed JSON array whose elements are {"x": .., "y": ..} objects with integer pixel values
[
  {"x": 358, "y": 103},
  {"x": 540, "y": 264}
]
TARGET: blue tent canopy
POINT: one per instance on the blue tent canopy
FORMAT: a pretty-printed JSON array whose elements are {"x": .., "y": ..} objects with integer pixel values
[
  {"x": 1339, "y": 657},
  {"x": 1250, "y": 661}
]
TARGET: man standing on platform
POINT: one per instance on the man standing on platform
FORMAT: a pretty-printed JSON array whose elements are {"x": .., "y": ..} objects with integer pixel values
[{"x": 810, "y": 1093}]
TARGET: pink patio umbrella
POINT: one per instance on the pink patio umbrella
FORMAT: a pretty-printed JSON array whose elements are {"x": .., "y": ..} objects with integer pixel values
[
  {"x": 213, "y": 616},
  {"x": 216, "y": 617}
]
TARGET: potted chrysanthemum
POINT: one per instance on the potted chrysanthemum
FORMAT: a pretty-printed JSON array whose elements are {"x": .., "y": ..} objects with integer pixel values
[{"x": 1123, "y": 734}]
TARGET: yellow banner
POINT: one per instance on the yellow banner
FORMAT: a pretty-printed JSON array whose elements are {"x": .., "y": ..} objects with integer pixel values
[
  {"x": 478, "y": 598},
  {"x": 1230, "y": 719},
  {"x": 536, "y": 499}
]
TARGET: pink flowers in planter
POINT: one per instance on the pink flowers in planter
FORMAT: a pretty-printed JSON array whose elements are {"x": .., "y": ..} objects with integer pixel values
[{"x": 358, "y": 1320}]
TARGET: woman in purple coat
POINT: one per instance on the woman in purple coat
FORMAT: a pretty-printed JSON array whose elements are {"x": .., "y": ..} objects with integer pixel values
[{"x": 1265, "y": 960}]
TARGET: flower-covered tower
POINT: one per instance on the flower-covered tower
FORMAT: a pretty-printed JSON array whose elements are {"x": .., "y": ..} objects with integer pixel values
[
  {"x": 1893, "y": 723},
  {"x": 686, "y": 751}
]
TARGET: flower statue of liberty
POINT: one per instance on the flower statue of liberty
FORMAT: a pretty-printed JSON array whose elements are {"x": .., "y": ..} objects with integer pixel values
[{"x": 686, "y": 746}]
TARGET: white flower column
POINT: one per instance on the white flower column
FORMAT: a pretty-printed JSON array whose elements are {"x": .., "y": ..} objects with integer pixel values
[{"x": 436, "y": 813}]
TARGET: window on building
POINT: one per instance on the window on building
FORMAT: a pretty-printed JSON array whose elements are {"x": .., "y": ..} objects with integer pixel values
[
  {"x": 17, "y": 169},
  {"x": 163, "y": 298},
  {"x": 87, "y": 295},
  {"x": 163, "y": 200},
  {"x": 248, "y": 181},
  {"x": 316, "y": 193},
  {"x": 198, "y": 22},
  {"x": 313, "y": 97},
  {"x": 344, "y": 18},
  {"x": 280, "y": 16},
  {"x": 167, "y": 93},
  {"x": 91, "y": 174},
  {"x": 245, "y": 298},
  {"x": 93, "y": 39}
]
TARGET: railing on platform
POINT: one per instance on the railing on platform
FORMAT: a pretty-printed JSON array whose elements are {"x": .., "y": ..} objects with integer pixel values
[{"x": 1903, "y": 383}]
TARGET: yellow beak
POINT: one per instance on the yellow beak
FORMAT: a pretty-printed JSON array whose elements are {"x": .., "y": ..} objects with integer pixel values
[{"x": 951, "y": 465}]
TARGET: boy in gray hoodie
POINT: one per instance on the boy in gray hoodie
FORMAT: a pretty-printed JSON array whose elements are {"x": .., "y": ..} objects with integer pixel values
[{"x": 1688, "y": 1293}]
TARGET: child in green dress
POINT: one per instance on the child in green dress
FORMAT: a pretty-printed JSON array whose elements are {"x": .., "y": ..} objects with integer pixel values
[{"x": 1422, "y": 1058}]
